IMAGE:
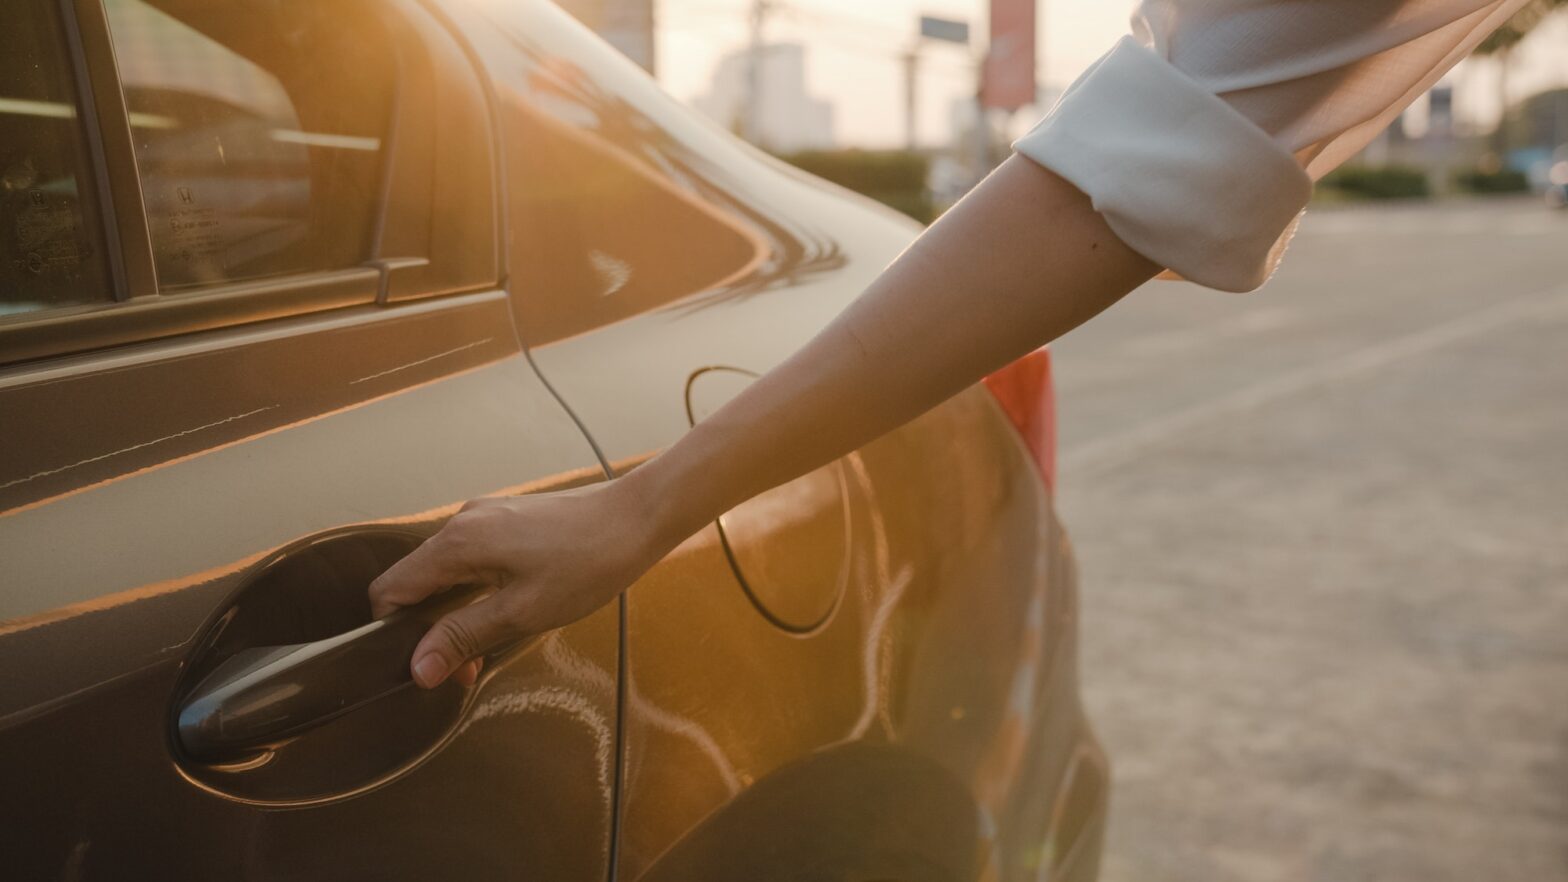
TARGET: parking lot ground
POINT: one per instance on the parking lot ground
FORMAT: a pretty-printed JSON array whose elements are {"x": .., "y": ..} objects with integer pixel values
[{"x": 1323, "y": 533}]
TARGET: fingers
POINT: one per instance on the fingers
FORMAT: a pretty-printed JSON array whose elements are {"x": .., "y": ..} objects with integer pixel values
[
  {"x": 459, "y": 638},
  {"x": 443, "y": 560},
  {"x": 457, "y": 553},
  {"x": 468, "y": 674}
]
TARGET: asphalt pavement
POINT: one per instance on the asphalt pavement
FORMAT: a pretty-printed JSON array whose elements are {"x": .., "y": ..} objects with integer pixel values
[{"x": 1323, "y": 535}]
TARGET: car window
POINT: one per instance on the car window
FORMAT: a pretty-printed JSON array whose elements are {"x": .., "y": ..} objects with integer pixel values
[
  {"x": 258, "y": 130},
  {"x": 51, "y": 245},
  {"x": 625, "y": 202}
]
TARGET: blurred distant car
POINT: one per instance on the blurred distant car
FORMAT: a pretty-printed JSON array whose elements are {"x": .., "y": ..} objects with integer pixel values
[
  {"x": 283, "y": 283},
  {"x": 1557, "y": 179}
]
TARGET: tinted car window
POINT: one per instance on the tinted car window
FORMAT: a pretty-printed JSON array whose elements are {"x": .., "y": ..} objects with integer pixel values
[
  {"x": 51, "y": 251},
  {"x": 258, "y": 131}
]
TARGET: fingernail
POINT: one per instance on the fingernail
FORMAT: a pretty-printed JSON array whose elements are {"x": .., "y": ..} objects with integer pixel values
[{"x": 429, "y": 670}]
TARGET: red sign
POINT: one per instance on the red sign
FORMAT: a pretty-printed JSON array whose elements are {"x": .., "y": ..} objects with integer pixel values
[{"x": 1008, "y": 81}]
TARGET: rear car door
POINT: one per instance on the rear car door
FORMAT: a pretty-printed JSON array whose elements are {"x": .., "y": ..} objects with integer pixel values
[{"x": 252, "y": 349}]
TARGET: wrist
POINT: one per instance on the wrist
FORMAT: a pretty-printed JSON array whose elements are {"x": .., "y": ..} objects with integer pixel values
[{"x": 650, "y": 515}]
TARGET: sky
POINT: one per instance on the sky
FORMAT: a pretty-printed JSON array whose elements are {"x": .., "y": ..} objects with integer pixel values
[{"x": 853, "y": 48}]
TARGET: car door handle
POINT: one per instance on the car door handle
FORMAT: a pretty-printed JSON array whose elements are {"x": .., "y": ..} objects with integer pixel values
[{"x": 263, "y": 696}]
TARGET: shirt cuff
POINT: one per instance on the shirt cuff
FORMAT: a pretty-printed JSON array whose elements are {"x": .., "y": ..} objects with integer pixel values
[{"x": 1180, "y": 176}]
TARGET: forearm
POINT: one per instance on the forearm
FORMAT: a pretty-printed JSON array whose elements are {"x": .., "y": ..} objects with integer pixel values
[{"x": 1020, "y": 261}]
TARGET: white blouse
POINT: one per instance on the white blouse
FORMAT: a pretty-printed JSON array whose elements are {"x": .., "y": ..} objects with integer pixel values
[{"x": 1198, "y": 137}]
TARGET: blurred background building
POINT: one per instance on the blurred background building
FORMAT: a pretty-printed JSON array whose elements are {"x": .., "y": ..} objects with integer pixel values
[
  {"x": 628, "y": 25},
  {"x": 782, "y": 116},
  {"x": 952, "y": 82}
]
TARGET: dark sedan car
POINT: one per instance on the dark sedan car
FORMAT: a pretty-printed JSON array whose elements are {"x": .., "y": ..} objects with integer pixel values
[{"x": 283, "y": 283}]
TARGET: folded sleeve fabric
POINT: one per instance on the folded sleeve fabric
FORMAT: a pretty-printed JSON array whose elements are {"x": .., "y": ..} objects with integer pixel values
[{"x": 1199, "y": 136}]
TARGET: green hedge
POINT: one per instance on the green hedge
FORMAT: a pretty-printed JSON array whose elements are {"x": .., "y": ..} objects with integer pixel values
[
  {"x": 896, "y": 178},
  {"x": 1378, "y": 182},
  {"x": 1506, "y": 181}
]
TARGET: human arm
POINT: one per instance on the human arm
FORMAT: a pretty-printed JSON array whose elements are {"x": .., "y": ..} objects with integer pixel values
[
  {"x": 1018, "y": 262},
  {"x": 1193, "y": 145}
]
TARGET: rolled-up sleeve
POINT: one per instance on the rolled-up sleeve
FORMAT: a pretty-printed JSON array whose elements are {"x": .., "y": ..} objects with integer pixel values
[{"x": 1198, "y": 137}]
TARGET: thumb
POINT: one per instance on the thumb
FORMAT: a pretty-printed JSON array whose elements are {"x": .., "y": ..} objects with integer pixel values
[{"x": 458, "y": 637}]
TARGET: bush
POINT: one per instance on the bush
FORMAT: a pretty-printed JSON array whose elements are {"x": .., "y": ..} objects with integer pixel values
[
  {"x": 1378, "y": 182},
  {"x": 896, "y": 178},
  {"x": 1506, "y": 181}
]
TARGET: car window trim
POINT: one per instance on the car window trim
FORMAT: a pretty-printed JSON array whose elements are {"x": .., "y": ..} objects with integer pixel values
[
  {"x": 226, "y": 338},
  {"x": 107, "y": 120},
  {"x": 139, "y": 310},
  {"x": 101, "y": 325}
]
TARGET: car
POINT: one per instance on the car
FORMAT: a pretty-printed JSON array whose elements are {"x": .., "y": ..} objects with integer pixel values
[
  {"x": 1557, "y": 179},
  {"x": 284, "y": 284}
]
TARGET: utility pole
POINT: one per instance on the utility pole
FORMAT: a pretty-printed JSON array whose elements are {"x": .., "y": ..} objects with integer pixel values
[
  {"x": 982, "y": 132},
  {"x": 946, "y": 30},
  {"x": 652, "y": 40},
  {"x": 751, "y": 113}
]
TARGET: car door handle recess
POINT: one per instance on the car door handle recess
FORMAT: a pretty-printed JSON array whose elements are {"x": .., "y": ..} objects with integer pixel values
[{"x": 265, "y": 695}]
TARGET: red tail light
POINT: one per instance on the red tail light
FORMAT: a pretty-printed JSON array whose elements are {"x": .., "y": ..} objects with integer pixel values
[{"x": 1026, "y": 394}]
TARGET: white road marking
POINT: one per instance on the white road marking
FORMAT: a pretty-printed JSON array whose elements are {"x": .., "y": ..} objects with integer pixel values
[
  {"x": 1245, "y": 324},
  {"x": 1104, "y": 454},
  {"x": 1400, "y": 222}
]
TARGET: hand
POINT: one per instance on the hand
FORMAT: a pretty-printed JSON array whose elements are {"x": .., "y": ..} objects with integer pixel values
[{"x": 552, "y": 558}]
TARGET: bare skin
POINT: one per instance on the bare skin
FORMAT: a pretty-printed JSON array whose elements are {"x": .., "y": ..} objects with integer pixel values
[{"x": 1017, "y": 263}]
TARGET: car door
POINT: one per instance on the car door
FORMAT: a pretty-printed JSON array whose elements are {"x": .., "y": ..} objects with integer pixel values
[
  {"x": 253, "y": 348},
  {"x": 865, "y": 674}
]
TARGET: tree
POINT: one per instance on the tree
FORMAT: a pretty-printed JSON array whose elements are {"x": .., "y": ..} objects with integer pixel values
[
  {"x": 1501, "y": 43},
  {"x": 1505, "y": 38}
]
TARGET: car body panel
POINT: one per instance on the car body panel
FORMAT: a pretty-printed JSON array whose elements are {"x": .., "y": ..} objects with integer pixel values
[
  {"x": 674, "y": 250},
  {"x": 139, "y": 501},
  {"x": 917, "y": 720},
  {"x": 949, "y": 660}
]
